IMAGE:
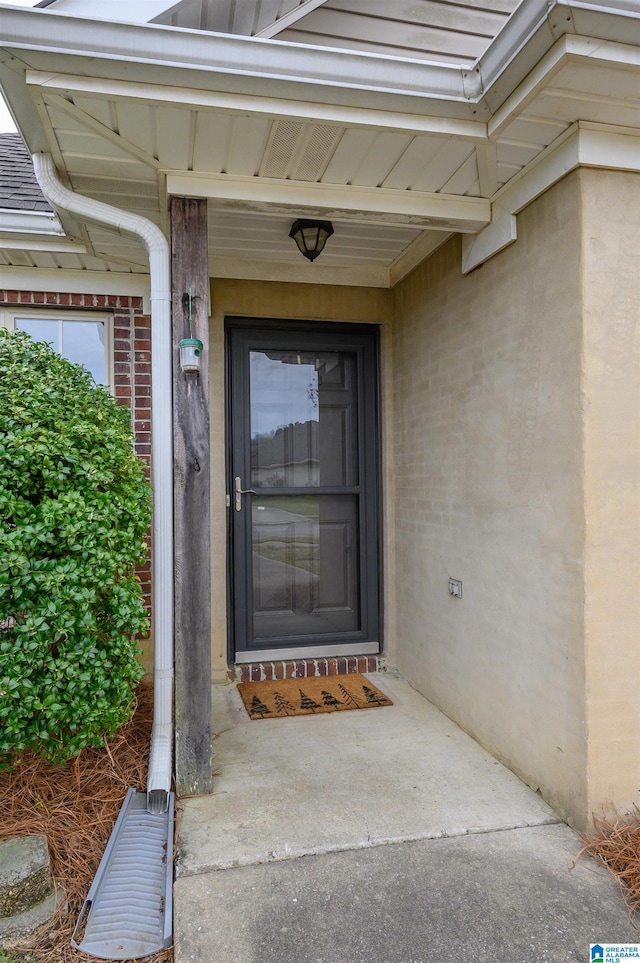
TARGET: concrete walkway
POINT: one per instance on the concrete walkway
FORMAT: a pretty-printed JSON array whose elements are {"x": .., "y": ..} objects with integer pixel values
[{"x": 418, "y": 846}]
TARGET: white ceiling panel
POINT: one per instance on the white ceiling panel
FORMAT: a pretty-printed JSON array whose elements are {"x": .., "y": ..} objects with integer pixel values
[
  {"x": 374, "y": 168},
  {"x": 465, "y": 179},
  {"x": 605, "y": 82},
  {"x": 211, "y": 138},
  {"x": 252, "y": 236},
  {"x": 415, "y": 158},
  {"x": 569, "y": 107},
  {"x": 365, "y": 157},
  {"x": 245, "y": 145},
  {"x": 175, "y": 134},
  {"x": 102, "y": 109},
  {"x": 137, "y": 123},
  {"x": 46, "y": 260},
  {"x": 101, "y": 165},
  {"x": 451, "y": 155},
  {"x": 506, "y": 172},
  {"x": 84, "y": 143},
  {"x": 533, "y": 131},
  {"x": 516, "y": 154}
]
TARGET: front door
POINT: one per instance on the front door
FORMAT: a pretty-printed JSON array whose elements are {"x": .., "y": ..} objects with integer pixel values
[{"x": 304, "y": 502}]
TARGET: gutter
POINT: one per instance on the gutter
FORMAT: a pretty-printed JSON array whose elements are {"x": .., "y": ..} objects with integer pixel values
[{"x": 88, "y": 210}]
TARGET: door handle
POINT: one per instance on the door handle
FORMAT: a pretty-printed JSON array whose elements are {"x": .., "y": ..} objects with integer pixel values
[{"x": 240, "y": 491}]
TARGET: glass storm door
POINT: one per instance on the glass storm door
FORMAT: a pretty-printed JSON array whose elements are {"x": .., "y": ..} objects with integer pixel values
[{"x": 303, "y": 489}]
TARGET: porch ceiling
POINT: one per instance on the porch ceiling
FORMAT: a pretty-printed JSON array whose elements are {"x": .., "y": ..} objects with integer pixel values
[{"x": 397, "y": 169}]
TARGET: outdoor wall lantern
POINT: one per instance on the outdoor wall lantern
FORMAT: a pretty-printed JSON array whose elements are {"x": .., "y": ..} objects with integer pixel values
[
  {"x": 190, "y": 348},
  {"x": 311, "y": 236}
]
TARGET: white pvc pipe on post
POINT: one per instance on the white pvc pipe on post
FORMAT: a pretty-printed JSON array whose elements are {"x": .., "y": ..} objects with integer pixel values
[{"x": 89, "y": 210}]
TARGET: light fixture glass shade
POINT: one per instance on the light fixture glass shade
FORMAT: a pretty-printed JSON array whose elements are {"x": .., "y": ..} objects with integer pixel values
[{"x": 311, "y": 236}]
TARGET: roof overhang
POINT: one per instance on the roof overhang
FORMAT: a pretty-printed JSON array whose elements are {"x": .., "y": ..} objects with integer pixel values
[{"x": 457, "y": 136}]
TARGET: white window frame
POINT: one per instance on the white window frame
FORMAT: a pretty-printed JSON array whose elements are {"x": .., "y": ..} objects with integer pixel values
[{"x": 9, "y": 316}]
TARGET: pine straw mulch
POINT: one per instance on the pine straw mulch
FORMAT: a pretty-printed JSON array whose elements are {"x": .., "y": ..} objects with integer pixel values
[
  {"x": 616, "y": 843},
  {"x": 75, "y": 807}
]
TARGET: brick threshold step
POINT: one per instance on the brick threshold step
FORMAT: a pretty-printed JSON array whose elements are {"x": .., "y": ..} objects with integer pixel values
[{"x": 305, "y": 668}]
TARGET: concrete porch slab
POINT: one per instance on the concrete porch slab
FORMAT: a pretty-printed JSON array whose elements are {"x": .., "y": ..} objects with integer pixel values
[
  {"x": 476, "y": 866},
  {"x": 515, "y": 896},
  {"x": 306, "y": 785}
]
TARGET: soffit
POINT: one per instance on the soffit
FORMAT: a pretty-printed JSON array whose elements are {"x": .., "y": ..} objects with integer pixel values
[
  {"x": 435, "y": 30},
  {"x": 395, "y": 183}
]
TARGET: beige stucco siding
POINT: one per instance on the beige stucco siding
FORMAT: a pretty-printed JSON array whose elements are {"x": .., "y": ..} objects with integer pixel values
[
  {"x": 511, "y": 461},
  {"x": 611, "y": 401},
  {"x": 488, "y": 475}
]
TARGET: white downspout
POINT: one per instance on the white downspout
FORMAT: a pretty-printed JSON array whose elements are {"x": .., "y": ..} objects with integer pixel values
[{"x": 88, "y": 210}]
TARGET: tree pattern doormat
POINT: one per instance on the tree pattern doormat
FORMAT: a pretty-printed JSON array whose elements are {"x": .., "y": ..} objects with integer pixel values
[{"x": 277, "y": 698}]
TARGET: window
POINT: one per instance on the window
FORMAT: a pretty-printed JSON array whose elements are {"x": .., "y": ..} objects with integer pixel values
[{"x": 85, "y": 339}]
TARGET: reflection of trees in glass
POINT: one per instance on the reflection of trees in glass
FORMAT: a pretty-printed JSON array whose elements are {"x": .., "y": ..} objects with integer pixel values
[
  {"x": 286, "y": 457},
  {"x": 295, "y": 553},
  {"x": 290, "y": 533}
]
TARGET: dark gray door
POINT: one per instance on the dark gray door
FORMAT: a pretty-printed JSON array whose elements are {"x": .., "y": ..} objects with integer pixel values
[{"x": 304, "y": 487}]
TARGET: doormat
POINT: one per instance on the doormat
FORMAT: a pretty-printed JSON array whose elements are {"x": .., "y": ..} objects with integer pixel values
[{"x": 276, "y": 698}]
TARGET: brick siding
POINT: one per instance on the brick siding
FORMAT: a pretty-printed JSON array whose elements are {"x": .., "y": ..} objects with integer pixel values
[{"x": 305, "y": 668}]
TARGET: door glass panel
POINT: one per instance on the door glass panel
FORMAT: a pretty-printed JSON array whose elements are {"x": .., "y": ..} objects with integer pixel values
[
  {"x": 305, "y": 565},
  {"x": 303, "y": 419}
]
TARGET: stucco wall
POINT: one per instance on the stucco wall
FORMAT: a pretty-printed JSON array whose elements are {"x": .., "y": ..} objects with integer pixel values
[
  {"x": 268, "y": 299},
  {"x": 488, "y": 474},
  {"x": 611, "y": 401}
]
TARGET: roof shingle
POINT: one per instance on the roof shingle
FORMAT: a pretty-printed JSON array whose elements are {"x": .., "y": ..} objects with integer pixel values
[{"x": 19, "y": 190}]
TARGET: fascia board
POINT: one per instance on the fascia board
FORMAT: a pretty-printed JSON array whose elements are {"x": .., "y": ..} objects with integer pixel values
[
  {"x": 257, "y": 60},
  {"x": 302, "y": 272},
  {"x": 273, "y": 107},
  {"x": 526, "y": 31},
  {"x": 21, "y": 106},
  {"x": 29, "y": 222},
  {"x": 76, "y": 282},
  {"x": 441, "y": 212},
  {"x": 582, "y": 145},
  {"x": 595, "y": 20},
  {"x": 54, "y": 245},
  {"x": 534, "y": 28}
]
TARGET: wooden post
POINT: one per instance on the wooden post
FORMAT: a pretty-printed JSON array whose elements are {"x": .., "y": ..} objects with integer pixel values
[{"x": 190, "y": 272}]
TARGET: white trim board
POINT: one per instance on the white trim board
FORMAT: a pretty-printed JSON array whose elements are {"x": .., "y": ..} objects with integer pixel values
[
  {"x": 445, "y": 212},
  {"x": 583, "y": 145},
  {"x": 59, "y": 281},
  {"x": 29, "y": 222},
  {"x": 348, "y": 115}
]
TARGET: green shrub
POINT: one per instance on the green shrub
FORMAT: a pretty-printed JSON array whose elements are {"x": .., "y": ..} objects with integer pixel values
[{"x": 74, "y": 510}]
